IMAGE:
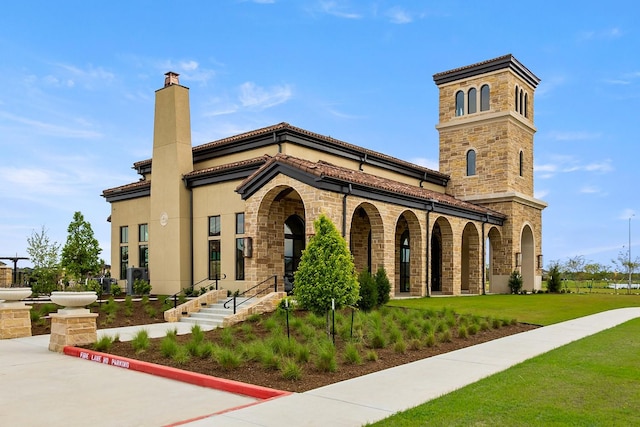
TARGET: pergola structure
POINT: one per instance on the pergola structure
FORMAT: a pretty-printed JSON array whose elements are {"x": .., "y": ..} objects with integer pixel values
[{"x": 15, "y": 260}]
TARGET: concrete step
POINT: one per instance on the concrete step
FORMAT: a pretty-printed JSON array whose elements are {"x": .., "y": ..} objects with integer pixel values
[
  {"x": 212, "y": 323},
  {"x": 212, "y": 315}
]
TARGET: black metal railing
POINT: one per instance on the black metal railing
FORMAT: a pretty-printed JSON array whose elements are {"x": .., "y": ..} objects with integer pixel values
[
  {"x": 191, "y": 291},
  {"x": 260, "y": 289}
]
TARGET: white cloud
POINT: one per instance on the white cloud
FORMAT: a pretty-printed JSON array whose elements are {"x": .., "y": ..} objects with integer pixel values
[
  {"x": 606, "y": 34},
  {"x": 257, "y": 98},
  {"x": 549, "y": 84},
  {"x": 399, "y": 16},
  {"x": 573, "y": 135},
  {"x": 568, "y": 164},
  {"x": 334, "y": 9},
  {"x": 189, "y": 70},
  {"x": 627, "y": 213},
  {"x": 540, "y": 194}
]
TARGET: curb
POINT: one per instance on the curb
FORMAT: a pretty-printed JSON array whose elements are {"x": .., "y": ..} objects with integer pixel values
[{"x": 194, "y": 378}]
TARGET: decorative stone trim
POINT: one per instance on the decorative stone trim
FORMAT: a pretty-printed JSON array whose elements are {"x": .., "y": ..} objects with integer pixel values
[
  {"x": 15, "y": 321},
  {"x": 72, "y": 329},
  {"x": 266, "y": 304},
  {"x": 194, "y": 305}
]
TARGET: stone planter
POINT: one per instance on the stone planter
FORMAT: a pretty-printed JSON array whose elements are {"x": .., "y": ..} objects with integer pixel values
[
  {"x": 13, "y": 296},
  {"x": 73, "y": 302}
]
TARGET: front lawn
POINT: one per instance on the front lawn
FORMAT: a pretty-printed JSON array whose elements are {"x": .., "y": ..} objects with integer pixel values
[{"x": 537, "y": 309}]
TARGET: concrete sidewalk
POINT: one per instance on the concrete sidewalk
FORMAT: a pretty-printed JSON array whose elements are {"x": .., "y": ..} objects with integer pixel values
[{"x": 39, "y": 387}]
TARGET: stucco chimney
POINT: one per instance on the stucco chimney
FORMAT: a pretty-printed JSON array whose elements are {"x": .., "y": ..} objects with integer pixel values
[{"x": 171, "y": 78}]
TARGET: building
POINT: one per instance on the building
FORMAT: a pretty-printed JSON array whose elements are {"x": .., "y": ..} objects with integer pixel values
[{"x": 241, "y": 209}]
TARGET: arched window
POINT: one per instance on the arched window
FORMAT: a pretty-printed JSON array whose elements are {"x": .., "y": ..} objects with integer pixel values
[
  {"x": 471, "y": 99},
  {"x": 484, "y": 98},
  {"x": 516, "y": 103},
  {"x": 405, "y": 264},
  {"x": 459, "y": 103},
  {"x": 471, "y": 162},
  {"x": 521, "y": 100},
  {"x": 526, "y": 98},
  {"x": 521, "y": 163}
]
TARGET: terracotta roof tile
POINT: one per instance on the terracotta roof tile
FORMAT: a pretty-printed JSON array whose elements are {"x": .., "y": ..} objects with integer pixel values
[{"x": 127, "y": 187}]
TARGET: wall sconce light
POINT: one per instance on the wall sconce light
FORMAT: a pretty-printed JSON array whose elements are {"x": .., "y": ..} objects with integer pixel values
[
  {"x": 540, "y": 263},
  {"x": 518, "y": 259},
  {"x": 247, "y": 249}
]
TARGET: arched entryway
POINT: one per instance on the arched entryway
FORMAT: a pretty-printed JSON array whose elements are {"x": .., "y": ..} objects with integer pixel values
[
  {"x": 441, "y": 253},
  {"x": 528, "y": 258},
  {"x": 470, "y": 262},
  {"x": 494, "y": 259},
  {"x": 408, "y": 244},
  {"x": 366, "y": 239},
  {"x": 280, "y": 235}
]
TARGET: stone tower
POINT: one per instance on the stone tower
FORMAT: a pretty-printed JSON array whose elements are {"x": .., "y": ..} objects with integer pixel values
[
  {"x": 169, "y": 224},
  {"x": 486, "y": 146}
]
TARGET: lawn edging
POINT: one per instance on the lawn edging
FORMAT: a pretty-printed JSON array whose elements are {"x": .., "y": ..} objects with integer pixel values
[{"x": 231, "y": 386}]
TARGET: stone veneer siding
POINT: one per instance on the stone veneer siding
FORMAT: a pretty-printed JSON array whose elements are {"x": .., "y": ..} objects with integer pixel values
[
  {"x": 73, "y": 330},
  {"x": 15, "y": 322}
]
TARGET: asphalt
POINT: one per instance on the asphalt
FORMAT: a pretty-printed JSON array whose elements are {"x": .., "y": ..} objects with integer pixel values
[{"x": 39, "y": 387}]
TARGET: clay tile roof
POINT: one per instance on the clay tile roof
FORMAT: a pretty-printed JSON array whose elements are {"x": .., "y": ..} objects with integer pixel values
[
  {"x": 323, "y": 169},
  {"x": 127, "y": 187},
  {"x": 234, "y": 165}
]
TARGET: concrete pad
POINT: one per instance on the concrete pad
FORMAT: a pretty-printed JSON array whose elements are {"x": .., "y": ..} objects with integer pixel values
[
  {"x": 155, "y": 330},
  {"x": 40, "y": 387}
]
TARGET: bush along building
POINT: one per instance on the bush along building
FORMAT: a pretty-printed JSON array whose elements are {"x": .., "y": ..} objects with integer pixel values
[{"x": 240, "y": 210}]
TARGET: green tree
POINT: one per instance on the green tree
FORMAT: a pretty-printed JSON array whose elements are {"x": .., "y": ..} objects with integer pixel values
[
  {"x": 45, "y": 255},
  {"x": 627, "y": 266},
  {"x": 368, "y": 291},
  {"x": 383, "y": 285},
  {"x": 554, "y": 281},
  {"x": 326, "y": 271},
  {"x": 515, "y": 282},
  {"x": 80, "y": 254}
]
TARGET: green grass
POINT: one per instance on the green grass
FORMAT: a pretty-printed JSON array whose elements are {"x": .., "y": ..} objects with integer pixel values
[
  {"x": 584, "y": 383},
  {"x": 538, "y": 309}
]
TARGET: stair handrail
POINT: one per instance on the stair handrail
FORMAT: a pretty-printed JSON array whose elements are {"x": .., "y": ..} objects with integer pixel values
[
  {"x": 236, "y": 295},
  {"x": 174, "y": 297}
]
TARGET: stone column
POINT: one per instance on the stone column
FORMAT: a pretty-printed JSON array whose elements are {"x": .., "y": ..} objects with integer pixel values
[
  {"x": 15, "y": 320},
  {"x": 72, "y": 327}
]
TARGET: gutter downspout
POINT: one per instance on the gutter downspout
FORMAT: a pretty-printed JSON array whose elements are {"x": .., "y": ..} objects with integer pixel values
[{"x": 344, "y": 210}]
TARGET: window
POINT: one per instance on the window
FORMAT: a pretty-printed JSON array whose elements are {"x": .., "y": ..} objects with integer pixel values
[
  {"x": 459, "y": 103},
  {"x": 214, "y": 225},
  {"x": 143, "y": 233},
  {"x": 471, "y": 163},
  {"x": 521, "y": 162},
  {"x": 240, "y": 258},
  {"x": 521, "y": 100},
  {"x": 471, "y": 97},
  {"x": 214, "y": 259},
  {"x": 484, "y": 98},
  {"x": 293, "y": 245},
  {"x": 240, "y": 223},
  {"x": 515, "y": 102},
  {"x": 143, "y": 256},
  {"x": 526, "y": 98},
  {"x": 240, "y": 246},
  {"x": 124, "y": 234},
  {"x": 124, "y": 261}
]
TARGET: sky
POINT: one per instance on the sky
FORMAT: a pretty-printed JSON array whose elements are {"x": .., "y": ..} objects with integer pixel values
[{"x": 79, "y": 77}]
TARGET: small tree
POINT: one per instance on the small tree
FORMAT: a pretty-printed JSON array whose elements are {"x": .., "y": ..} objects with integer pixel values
[
  {"x": 368, "y": 291},
  {"x": 326, "y": 271},
  {"x": 515, "y": 282},
  {"x": 383, "y": 285},
  {"x": 554, "y": 281},
  {"x": 44, "y": 254},
  {"x": 80, "y": 252}
]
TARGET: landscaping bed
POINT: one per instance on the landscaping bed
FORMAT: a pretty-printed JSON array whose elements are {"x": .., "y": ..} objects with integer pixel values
[{"x": 258, "y": 351}]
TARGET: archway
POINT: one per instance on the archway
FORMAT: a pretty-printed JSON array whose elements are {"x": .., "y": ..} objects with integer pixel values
[
  {"x": 494, "y": 259},
  {"x": 280, "y": 208},
  {"x": 366, "y": 239},
  {"x": 527, "y": 245},
  {"x": 470, "y": 262},
  {"x": 441, "y": 256},
  {"x": 408, "y": 247}
]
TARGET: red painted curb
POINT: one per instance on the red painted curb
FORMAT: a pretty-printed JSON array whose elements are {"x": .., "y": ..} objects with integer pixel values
[{"x": 195, "y": 378}]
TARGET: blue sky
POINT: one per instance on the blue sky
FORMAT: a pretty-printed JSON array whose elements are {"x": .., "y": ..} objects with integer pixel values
[{"x": 78, "y": 82}]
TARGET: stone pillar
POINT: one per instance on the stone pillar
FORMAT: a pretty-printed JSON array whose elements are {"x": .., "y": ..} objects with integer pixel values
[
  {"x": 15, "y": 320},
  {"x": 72, "y": 327}
]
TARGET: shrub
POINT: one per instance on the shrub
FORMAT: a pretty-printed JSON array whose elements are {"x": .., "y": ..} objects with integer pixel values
[
  {"x": 445, "y": 336},
  {"x": 352, "y": 355},
  {"x": 400, "y": 346},
  {"x": 141, "y": 287},
  {"x": 326, "y": 271},
  {"x": 383, "y": 286},
  {"x": 141, "y": 341},
  {"x": 377, "y": 339},
  {"x": 368, "y": 291},
  {"x": 372, "y": 356},
  {"x": 463, "y": 332},
  {"x": 116, "y": 291},
  {"x": 181, "y": 357},
  {"x": 103, "y": 344},
  {"x": 326, "y": 358},
  {"x": 515, "y": 282},
  {"x": 291, "y": 370},
  {"x": 430, "y": 339},
  {"x": 168, "y": 346},
  {"x": 197, "y": 335},
  {"x": 554, "y": 281},
  {"x": 228, "y": 358}
]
